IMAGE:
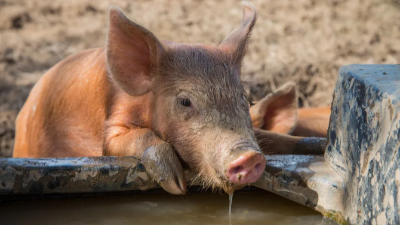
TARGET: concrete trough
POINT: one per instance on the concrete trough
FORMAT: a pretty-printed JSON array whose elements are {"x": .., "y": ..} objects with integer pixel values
[
  {"x": 355, "y": 182},
  {"x": 72, "y": 175}
]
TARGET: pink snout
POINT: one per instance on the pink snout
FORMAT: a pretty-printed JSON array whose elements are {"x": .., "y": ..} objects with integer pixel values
[{"x": 247, "y": 168}]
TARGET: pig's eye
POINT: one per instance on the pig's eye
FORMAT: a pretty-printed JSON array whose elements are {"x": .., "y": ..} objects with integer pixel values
[
  {"x": 251, "y": 103},
  {"x": 247, "y": 100},
  {"x": 185, "y": 102}
]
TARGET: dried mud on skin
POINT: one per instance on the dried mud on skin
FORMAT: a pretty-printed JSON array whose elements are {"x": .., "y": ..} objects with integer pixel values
[{"x": 306, "y": 41}]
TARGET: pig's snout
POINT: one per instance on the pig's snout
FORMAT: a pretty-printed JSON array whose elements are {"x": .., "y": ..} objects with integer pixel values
[{"x": 247, "y": 167}]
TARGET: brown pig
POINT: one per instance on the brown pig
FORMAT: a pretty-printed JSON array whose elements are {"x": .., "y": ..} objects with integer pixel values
[
  {"x": 166, "y": 103},
  {"x": 278, "y": 112}
]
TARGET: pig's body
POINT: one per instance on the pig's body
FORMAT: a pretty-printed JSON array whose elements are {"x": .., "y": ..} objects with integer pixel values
[
  {"x": 278, "y": 112},
  {"x": 312, "y": 122},
  {"x": 72, "y": 105},
  {"x": 65, "y": 113},
  {"x": 163, "y": 102}
]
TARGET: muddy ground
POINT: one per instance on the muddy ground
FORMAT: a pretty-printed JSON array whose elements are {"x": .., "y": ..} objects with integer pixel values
[{"x": 305, "y": 40}]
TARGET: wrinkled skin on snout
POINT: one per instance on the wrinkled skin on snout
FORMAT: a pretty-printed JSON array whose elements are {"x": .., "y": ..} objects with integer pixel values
[{"x": 172, "y": 105}]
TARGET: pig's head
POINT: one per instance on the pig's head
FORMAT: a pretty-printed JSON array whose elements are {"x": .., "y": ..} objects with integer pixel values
[{"x": 197, "y": 100}]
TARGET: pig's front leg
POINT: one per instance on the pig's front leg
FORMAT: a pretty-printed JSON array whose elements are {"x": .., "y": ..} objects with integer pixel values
[
  {"x": 273, "y": 143},
  {"x": 158, "y": 157}
]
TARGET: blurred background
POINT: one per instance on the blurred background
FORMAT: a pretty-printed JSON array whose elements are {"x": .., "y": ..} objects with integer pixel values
[{"x": 302, "y": 40}]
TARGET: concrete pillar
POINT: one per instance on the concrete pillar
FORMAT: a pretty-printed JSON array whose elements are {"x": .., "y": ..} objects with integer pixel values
[{"x": 364, "y": 140}]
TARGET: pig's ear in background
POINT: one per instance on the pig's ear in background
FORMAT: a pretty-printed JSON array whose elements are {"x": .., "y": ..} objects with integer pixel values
[
  {"x": 277, "y": 112},
  {"x": 133, "y": 53},
  {"x": 235, "y": 43}
]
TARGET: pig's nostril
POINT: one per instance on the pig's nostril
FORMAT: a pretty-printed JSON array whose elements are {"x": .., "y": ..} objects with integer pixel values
[
  {"x": 258, "y": 167},
  {"x": 246, "y": 169},
  {"x": 237, "y": 169}
]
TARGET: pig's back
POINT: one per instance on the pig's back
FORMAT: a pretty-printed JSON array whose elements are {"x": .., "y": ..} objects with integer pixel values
[
  {"x": 65, "y": 112},
  {"x": 312, "y": 122}
]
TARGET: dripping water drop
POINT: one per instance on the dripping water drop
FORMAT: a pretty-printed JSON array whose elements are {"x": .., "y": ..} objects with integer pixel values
[{"x": 230, "y": 208}]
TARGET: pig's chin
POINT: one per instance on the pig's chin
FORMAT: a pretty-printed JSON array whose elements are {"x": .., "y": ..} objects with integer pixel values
[
  {"x": 213, "y": 181},
  {"x": 229, "y": 187},
  {"x": 207, "y": 177}
]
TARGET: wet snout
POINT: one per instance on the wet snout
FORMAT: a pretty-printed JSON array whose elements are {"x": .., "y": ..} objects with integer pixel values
[{"x": 245, "y": 167}]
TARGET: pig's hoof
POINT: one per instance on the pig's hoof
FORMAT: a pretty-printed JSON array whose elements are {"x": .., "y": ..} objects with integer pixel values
[{"x": 163, "y": 165}]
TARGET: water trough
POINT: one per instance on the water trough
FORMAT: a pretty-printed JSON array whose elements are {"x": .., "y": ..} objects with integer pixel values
[{"x": 355, "y": 182}]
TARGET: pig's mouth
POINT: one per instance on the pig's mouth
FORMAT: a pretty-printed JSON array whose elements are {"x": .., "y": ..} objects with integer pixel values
[{"x": 216, "y": 183}]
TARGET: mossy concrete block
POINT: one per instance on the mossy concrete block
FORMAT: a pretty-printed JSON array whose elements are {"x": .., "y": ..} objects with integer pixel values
[
  {"x": 357, "y": 181},
  {"x": 364, "y": 140}
]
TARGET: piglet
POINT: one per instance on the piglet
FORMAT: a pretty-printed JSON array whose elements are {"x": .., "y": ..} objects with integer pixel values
[
  {"x": 172, "y": 105},
  {"x": 278, "y": 112}
]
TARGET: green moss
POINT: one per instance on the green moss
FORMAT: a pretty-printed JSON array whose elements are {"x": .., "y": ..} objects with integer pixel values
[{"x": 336, "y": 216}]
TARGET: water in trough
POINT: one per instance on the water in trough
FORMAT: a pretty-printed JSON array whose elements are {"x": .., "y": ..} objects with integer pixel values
[{"x": 249, "y": 207}]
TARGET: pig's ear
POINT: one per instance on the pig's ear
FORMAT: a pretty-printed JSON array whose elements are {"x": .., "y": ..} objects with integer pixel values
[
  {"x": 277, "y": 111},
  {"x": 133, "y": 54},
  {"x": 235, "y": 43}
]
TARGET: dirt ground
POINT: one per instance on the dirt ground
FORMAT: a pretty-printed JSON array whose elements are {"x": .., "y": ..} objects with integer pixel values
[{"x": 304, "y": 40}]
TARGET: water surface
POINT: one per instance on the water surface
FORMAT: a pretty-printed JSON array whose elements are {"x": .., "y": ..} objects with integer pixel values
[{"x": 249, "y": 207}]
